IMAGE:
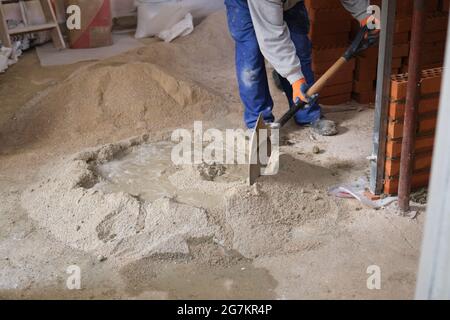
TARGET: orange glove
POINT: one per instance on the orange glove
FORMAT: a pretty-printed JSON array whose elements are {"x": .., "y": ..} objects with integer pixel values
[
  {"x": 299, "y": 89},
  {"x": 372, "y": 23}
]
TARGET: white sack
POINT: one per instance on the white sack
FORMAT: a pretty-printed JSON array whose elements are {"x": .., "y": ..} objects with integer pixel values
[
  {"x": 181, "y": 29},
  {"x": 155, "y": 16},
  {"x": 6, "y": 58}
]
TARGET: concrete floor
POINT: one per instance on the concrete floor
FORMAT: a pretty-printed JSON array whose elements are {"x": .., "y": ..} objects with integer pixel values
[{"x": 327, "y": 257}]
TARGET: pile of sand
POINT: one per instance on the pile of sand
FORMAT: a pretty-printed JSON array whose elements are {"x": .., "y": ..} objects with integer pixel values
[
  {"x": 103, "y": 100},
  {"x": 145, "y": 90}
]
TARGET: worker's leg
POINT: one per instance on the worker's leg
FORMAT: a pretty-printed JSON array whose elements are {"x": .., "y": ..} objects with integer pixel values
[
  {"x": 250, "y": 66},
  {"x": 297, "y": 20}
]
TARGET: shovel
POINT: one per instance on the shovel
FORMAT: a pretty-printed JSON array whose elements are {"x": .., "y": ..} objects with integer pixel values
[{"x": 260, "y": 139}]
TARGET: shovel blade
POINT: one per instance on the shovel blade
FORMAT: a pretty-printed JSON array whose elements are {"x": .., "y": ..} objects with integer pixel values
[{"x": 255, "y": 166}]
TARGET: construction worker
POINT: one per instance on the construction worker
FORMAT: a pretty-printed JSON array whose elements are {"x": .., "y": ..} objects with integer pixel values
[{"x": 278, "y": 31}]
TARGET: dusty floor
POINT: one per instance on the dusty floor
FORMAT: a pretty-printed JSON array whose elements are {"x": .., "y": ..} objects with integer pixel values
[{"x": 285, "y": 238}]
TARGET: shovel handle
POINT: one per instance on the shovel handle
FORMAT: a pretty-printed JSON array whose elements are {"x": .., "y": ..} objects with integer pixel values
[
  {"x": 289, "y": 114},
  {"x": 316, "y": 88},
  {"x": 358, "y": 44},
  {"x": 322, "y": 82}
]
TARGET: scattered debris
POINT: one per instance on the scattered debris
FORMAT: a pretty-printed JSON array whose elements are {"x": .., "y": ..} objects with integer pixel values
[
  {"x": 371, "y": 196},
  {"x": 317, "y": 198},
  {"x": 101, "y": 258},
  {"x": 7, "y": 58},
  {"x": 357, "y": 190},
  {"x": 413, "y": 215},
  {"x": 420, "y": 196},
  {"x": 256, "y": 189},
  {"x": 211, "y": 172}
]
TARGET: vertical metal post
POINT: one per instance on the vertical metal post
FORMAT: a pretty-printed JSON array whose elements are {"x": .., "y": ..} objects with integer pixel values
[
  {"x": 382, "y": 95},
  {"x": 412, "y": 103},
  {"x": 434, "y": 276}
]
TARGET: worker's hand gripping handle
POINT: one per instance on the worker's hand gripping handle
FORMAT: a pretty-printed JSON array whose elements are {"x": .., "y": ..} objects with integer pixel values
[
  {"x": 361, "y": 42},
  {"x": 315, "y": 89}
]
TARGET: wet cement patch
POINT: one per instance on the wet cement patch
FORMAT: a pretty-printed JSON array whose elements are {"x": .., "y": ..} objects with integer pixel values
[
  {"x": 148, "y": 172},
  {"x": 209, "y": 272}
]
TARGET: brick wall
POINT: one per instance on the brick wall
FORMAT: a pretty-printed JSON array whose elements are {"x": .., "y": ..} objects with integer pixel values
[
  {"x": 332, "y": 29},
  {"x": 433, "y": 50},
  {"x": 330, "y": 35},
  {"x": 426, "y": 124}
]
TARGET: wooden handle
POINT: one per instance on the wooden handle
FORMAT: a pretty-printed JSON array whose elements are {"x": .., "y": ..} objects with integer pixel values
[{"x": 322, "y": 82}]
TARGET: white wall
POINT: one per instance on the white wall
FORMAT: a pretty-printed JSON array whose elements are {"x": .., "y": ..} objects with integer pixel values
[{"x": 434, "y": 277}]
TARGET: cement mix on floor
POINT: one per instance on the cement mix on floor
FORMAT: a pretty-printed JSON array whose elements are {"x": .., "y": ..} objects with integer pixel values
[{"x": 85, "y": 181}]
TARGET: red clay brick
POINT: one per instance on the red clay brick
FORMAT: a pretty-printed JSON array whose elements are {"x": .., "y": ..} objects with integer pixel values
[
  {"x": 423, "y": 143},
  {"x": 344, "y": 76},
  {"x": 332, "y": 39},
  {"x": 426, "y": 105},
  {"x": 364, "y": 97},
  {"x": 403, "y": 25},
  {"x": 400, "y": 50},
  {"x": 329, "y": 15},
  {"x": 426, "y": 124},
  {"x": 322, "y": 4},
  {"x": 363, "y": 86},
  {"x": 395, "y": 71},
  {"x": 321, "y": 68},
  {"x": 400, "y": 38},
  {"x": 398, "y": 87},
  {"x": 372, "y": 197},
  {"x": 365, "y": 69},
  {"x": 335, "y": 90},
  {"x": 421, "y": 162},
  {"x": 365, "y": 75},
  {"x": 433, "y": 53},
  {"x": 339, "y": 99},
  {"x": 320, "y": 29},
  {"x": 431, "y": 5},
  {"x": 430, "y": 83},
  {"x": 433, "y": 66},
  {"x": 436, "y": 36},
  {"x": 371, "y": 54},
  {"x": 404, "y": 8},
  {"x": 327, "y": 53},
  {"x": 436, "y": 22},
  {"x": 397, "y": 63},
  {"x": 419, "y": 180}
]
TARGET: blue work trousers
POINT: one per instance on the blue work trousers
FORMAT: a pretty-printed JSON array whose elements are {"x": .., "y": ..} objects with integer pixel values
[{"x": 250, "y": 65}]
